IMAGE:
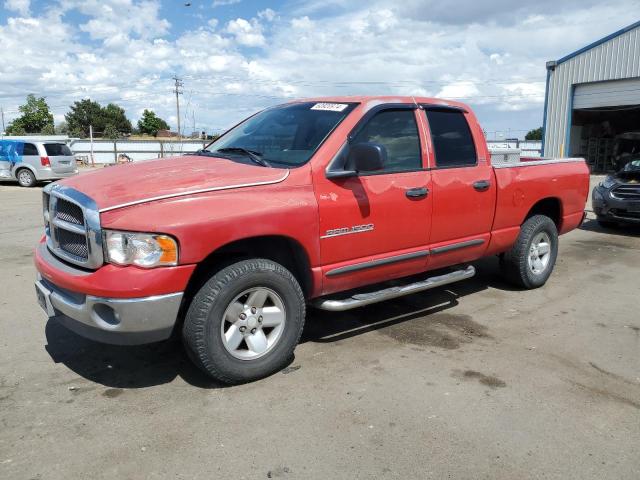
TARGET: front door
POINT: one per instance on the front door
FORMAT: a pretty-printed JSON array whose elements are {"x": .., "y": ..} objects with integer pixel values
[{"x": 375, "y": 226}]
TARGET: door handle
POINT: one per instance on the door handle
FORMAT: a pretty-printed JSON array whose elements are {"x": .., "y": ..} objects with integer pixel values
[
  {"x": 417, "y": 192},
  {"x": 482, "y": 185}
]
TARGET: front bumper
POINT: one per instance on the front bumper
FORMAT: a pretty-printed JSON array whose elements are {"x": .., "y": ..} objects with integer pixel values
[
  {"x": 607, "y": 207},
  {"x": 119, "y": 321}
]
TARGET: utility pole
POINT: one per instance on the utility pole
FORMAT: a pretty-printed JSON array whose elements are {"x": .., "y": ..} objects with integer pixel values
[
  {"x": 178, "y": 92},
  {"x": 2, "y": 112}
]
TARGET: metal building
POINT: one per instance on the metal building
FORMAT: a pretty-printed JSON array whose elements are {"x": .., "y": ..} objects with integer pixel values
[{"x": 592, "y": 101}]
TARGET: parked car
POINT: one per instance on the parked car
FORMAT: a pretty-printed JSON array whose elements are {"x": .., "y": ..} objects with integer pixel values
[
  {"x": 29, "y": 162},
  {"x": 313, "y": 202},
  {"x": 616, "y": 200}
]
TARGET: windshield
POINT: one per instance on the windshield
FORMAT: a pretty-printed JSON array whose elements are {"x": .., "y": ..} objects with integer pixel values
[
  {"x": 282, "y": 136},
  {"x": 632, "y": 166}
]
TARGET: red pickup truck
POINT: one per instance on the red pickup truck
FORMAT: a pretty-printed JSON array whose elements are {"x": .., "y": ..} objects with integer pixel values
[{"x": 315, "y": 202}]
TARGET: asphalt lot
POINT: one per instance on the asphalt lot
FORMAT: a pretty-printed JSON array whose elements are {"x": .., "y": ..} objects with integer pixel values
[{"x": 473, "y": 381}]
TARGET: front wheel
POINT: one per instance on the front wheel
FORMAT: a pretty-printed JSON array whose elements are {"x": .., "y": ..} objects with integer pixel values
[
  {"x": 530, "y": 261},
  {"x": 245, "y": 322}
]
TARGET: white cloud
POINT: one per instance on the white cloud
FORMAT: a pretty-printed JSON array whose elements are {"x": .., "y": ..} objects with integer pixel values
[
  {"x": 267, "y": 14},
  {"x": 246, "y": 33},
  {"x": 224, "y": 3},
  {"x": 19, "y": 6},
  {"x": 494, "y": 62}
]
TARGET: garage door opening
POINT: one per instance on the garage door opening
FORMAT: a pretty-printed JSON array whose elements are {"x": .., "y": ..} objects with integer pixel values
[
  {"x": 605, "y": 123},
  {"x": 605, "y": 137}
]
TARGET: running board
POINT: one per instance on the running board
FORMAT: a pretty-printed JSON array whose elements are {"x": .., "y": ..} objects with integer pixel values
[{"x": 362, "y": 299}]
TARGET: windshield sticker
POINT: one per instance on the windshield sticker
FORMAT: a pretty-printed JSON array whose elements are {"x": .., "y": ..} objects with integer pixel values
[{"x": 330, "y": 107}]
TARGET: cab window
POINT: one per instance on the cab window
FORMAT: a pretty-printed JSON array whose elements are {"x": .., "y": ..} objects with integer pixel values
[
  {"x": 397, "y": 131},
  {"x": 452, "y": 140}
]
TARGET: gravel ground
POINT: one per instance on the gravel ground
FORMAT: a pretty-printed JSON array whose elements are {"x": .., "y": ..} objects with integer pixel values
[{"x": 473, "y": 381}]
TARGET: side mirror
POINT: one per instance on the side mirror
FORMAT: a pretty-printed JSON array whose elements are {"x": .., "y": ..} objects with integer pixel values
[{"x": 366, "y": 157}]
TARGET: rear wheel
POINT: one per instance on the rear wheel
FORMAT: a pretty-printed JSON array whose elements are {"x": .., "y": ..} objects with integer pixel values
[
  {"x": 530, "y": 261},
  {"x": 245, "y": 322},
  {"x": 26, "y": 178}
]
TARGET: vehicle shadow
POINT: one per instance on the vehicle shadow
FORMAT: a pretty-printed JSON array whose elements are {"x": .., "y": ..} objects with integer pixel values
[
  {"x": 591, "y": 225},
  {"x": 156, "y": 364},
  {"x": 123, "y": 366}
]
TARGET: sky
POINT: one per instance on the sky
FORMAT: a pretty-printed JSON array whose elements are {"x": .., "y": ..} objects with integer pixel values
[{"x": 236, "y": 57}]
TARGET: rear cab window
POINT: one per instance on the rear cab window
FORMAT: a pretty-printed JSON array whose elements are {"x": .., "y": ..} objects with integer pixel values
[
  {"x": 57, "y": 150},
  {"x": 452, "y": 139}
]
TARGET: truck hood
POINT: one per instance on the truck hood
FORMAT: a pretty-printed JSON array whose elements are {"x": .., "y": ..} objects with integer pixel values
[{"x": 132, "y": 183}]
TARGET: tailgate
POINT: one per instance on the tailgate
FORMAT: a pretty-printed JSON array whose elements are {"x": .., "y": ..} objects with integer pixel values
[{"x": 60, "y": 157}]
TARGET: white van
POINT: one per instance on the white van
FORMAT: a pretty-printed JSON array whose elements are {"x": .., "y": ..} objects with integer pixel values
[{"x": 29, "y": 162}]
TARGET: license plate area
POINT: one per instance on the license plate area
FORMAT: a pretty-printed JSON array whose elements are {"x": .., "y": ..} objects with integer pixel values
[{"x": 44, "y": 300}]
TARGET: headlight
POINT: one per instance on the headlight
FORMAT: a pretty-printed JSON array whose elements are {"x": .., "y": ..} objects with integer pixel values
[
  {"x": 146, "y": 250},
  {"x": 608, "y": 182}
]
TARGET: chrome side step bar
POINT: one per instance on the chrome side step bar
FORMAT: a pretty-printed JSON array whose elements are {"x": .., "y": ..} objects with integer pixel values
[{"x": 362, "y": 299}]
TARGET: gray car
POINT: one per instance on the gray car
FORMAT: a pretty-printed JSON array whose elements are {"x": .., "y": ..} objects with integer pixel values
[{"x": 29, "y": 162}]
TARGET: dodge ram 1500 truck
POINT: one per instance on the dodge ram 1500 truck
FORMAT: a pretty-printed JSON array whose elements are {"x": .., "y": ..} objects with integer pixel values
[{"x": 315, "y": 202}]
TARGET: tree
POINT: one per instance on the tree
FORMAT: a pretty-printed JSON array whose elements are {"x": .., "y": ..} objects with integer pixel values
[
  {"x": 87, "y": 112},
  {"x": 150, "y": 123},
  {"x": 48, "y": 129},
  {"x": 535, "y": 134},
  {"x": 111, "y": 132},
  {"x": 62, "y": 128},
  {"x": 35, "y": 117},
  {"x": 84, "y": 113},
  {"x": 16, "y": 130},
  {"x": 115, "y": 116}
]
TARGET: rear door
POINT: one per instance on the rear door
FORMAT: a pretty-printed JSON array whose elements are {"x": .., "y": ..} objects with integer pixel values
[
  {"x": 464, "y": 189},
  {"x": 375, "y": 226},
  {"x": 60, "y": 157},
  {"x": 30, "y": 156}
]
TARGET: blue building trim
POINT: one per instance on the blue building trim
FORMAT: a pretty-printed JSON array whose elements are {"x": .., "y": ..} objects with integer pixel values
[
  {"x": 599, "y": 42},
  {"x": 544, "y": 115}
]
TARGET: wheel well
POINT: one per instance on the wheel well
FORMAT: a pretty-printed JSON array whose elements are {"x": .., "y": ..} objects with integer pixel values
[
  {"x": 550, "y": 207},
  {"x": 283, "y": 250},
  {"x": 23, "y": 168}
]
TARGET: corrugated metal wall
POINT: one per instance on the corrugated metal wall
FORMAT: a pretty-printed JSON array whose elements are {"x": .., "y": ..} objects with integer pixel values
[{"x": 616, "y": 58}]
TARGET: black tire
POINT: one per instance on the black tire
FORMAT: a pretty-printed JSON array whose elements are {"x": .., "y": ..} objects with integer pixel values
[
  {"x": 515, "y": 263},
  {"x": 201, "y": 331},
  {"x": 606, "y": 223},
  {"x": 26, "y": 178}
]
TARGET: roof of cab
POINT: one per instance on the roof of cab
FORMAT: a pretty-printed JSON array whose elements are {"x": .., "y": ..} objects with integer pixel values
[{"x": 381, "y": 99}]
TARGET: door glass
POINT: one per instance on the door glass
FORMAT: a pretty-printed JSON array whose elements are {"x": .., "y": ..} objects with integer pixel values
[
  {"x": 451, "y": 138},
  {"x": 397, "y": 131},
  {"x": 30, "y": 149}
]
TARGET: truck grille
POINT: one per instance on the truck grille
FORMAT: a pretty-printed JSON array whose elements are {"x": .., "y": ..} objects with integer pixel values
[
  {"x": 69, "y": 212},
  {"x": 73, "y": 243},
  {"x": 626, "y": 192},
  {"x": 72, "y": 226}
]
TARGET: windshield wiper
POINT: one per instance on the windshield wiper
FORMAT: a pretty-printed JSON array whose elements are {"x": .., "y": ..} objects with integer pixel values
[{"x": 255, "y": 156}]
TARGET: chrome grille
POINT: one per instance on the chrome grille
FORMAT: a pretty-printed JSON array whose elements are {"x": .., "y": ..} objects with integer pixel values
[
  {"x": 72, "y": 226},
  {"x": 626, "y": 192},
  {"x": 69, "y": 212},
  {"x": 73, "y": 243}
]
